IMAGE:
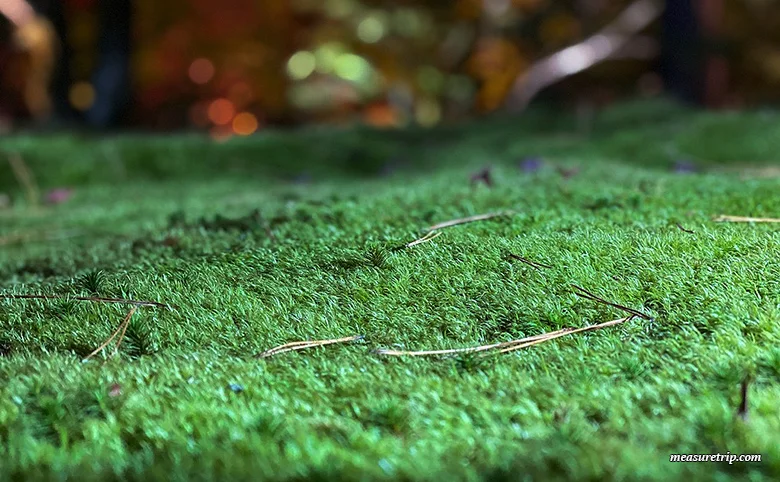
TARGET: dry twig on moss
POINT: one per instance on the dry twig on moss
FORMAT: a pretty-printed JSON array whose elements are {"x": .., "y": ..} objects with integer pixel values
[
  {"x": 506, "y": 346},
  {"x": 530, "y": 263},
  {"x": 120, "y": 331},
  {"x": 95, "y": 299},
  {"x": 469, "y": 219},
  {"x": 579, "y": 291},
  {"x": 724, "y": 218},
  {"x": 302, "y": 345}
]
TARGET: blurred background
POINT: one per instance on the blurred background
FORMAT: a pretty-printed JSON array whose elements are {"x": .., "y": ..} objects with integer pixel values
[{"x": 235, "y": 67}]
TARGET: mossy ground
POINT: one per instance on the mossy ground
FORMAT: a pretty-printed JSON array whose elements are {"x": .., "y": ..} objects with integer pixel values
[{"x": 289, "y": 236}]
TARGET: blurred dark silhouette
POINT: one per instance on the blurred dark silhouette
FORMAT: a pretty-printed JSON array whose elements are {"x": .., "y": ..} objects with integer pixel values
[
  {"x": 111, "y": 78},
  {"x": 680, "y": 64}
]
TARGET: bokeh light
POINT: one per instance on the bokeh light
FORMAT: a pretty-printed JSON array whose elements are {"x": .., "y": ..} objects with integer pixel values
[
  {"x": 352, "y": 67},
  {"x": 301, "y": 65},
  {"x": 371, "y": 29},
  {"x": 427, "y": 112},
  {"x": 326, "y": 55},
  {"x": 201, "y": 70},
  {"x": 245, "y": 124},
  {"x": 221, "y": 111},
  {"x": 81, "y": 95}
]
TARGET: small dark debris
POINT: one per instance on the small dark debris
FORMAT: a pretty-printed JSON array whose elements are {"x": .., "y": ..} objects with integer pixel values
[
  {"x": 483, "y": 176},
  {"x": 527, "y": 261},
  {"x": 5, "y": 348},
  {"x": 681, "y": 228},
  {"x": 742, "y": 412},
  {"x": 568, "y": 172},
  {"x": 171, "y": 241},
  {"x": 530, "y": 164},
  {"x": 236, "y": 388},
  {"x": 115, "y": 391}
]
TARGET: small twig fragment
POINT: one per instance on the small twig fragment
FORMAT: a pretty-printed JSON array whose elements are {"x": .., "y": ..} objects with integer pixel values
[
  {"x": 742, "y": 412},
  {"x": 506, "y": 346},
  {"x": 87, "y": 298},
  {"x": 301, "y": 345},
  {"x": 724, "y": 218},
  {"x": 570, "y": 331},
  {"x": 483, "y": 176},
  {"x": 681, "y": 228},
  {"x": 530, "y": 263},
  {"x": 579, "y": 291},
  {"x": 122, "y": 328},
  {"x": 428, "y": 237},
  {"x": 470, "y": 349},
  {"x": 469, "y": 219}
]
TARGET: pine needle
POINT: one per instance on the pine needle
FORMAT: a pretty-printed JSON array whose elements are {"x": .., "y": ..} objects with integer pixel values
[
  {"x": 122, "y": 328},
  {"x": 471, "y": 349},
  {"x": 723, "y": 218},
  {"x": 470, "y": 219},
  {"x": 530, "y": 263},
  {"x": 590, "y": 296},
  {"x": 87, "y": 298},
  {"x": 301, "y": 345},
  {"x": 554, "y": 335},
  {"x": 428, "y": 237},
  {"x": 506, "y": 346}
]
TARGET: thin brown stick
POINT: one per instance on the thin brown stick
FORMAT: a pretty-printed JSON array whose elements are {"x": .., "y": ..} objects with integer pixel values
[
  {"x": 122, "y": 327},
  {"x": 87, "y": 298},
  {"x": 724, "y": 218},
  {"x": 506, "y": 346},
  {"x": 681, "y": 228},
  {"x": 742, "y": 411},
  {"x": 121, "y": 337},
  {"x": 470, "y": 349},
  {"x": 469, "y": 219},
  {"x": 553, "y": 336},
  {"x": 428, "y": 237},
  {"x": 25, "y": 178},
  {"x": 579, "y": 291},
  {"x": 301, "y": 345},
  {"x": 530, "y": 263}
]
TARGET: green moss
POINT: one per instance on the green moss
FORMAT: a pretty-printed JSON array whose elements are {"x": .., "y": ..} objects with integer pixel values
[{"x": 252, "y": 259}]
